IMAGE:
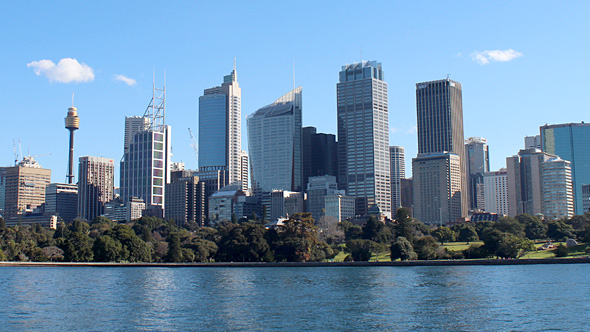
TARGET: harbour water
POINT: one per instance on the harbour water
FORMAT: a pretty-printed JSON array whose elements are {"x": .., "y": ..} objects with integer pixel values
[{"x": 445, "y": 298}]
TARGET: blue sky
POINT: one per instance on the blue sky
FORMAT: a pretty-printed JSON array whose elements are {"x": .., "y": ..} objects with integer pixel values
[{"x": 544, "y": 81}]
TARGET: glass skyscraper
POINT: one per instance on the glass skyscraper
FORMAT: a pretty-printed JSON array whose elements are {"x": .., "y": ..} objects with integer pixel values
[
  {"x": 274, "y": 144},
  {"x": 363, "y": 136},
  {"x": 571, "y": 142},
  {"x": 439, "y": 107},
  {"x": 398, "y": 172},
  {"x": 220, "y": 142},
  {"x": 478, "y": 163}
]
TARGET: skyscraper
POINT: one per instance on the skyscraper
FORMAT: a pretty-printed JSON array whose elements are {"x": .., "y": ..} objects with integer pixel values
[
  {"x": 320, "y": 154},
  {"x": 571, "y": 141},
  {"x": 397, "y": 157},
  {"x": 61, "y": 199},
  {"x": 185, "y": 199},
  {"x": 478, "y": 162},
  {"x": 363, "y": 136},
  {"x": 146, "y": 164},
  {"x": 96, "y": 185},
  {"x": 439, "y": 108},
  {"x": 274, "y": 144},
  {"x": 220, "y": 143},
  {"x": 556, "y": 181}
]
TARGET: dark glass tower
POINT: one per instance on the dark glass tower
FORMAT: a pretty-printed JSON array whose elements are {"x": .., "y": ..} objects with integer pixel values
[{"x": 320, "y": 154}]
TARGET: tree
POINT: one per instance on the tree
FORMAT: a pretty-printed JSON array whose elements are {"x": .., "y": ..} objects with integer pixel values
[
  {"x": 362, "y": 250},
  {"x": 243, "y": 243},
  {"x": 558, "y": 230},
  {"x": 560, "y": 251},
  {"x": 426, "y": 247},
  {"x": 78, "y": 248},
  {"x": 535, "y": 228},
  {"x": 106, "y": 249},
  {"x": 174, "y": 249},
  {"x": 402, "y": 214},
  {"x": 510, "y": 225},
  {"x": 376, "y": 231},
  {"x": 444, "y": 234},
  {"x": 402, "y": 248},
  {"x": 466, "y": 233}
]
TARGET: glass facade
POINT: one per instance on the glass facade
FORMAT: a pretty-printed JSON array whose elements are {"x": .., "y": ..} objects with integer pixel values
[
  {"x": 220, "y": 125},
  {"x": 274, "y": 144},
  {"x": 571, "y": 142}
]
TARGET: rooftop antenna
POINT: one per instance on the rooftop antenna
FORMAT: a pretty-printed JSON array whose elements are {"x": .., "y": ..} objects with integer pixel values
[
  {"x": 448, "y": 75},
  {"x": 361, "y": 56}
]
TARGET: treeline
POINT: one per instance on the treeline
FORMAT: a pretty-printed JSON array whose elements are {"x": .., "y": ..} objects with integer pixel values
[{"x": 300, "y": 239}]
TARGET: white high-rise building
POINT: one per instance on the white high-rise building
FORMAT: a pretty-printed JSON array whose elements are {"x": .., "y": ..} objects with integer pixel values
[
  {"x": 495, "y": 186},
  {"x": 558, "y": 194},
  {"x": 363, "y": 136},
  {"x": 274, "y": 144},
  {"x": 397, "y": 157},
  {"x": 220, "y": 128}
]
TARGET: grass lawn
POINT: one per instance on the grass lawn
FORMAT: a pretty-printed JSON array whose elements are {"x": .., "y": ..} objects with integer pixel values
[{"x": 459, "y": 246}]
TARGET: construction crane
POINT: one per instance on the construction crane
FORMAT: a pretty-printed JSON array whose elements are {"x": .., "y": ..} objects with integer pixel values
[{"x": 194, "y": 145}]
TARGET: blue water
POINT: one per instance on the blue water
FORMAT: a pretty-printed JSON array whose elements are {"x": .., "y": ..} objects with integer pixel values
[{"x": 459, "y": 298}]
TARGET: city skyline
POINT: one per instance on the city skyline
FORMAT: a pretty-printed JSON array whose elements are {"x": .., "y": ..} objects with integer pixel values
[{"x": 115, "y": 79}]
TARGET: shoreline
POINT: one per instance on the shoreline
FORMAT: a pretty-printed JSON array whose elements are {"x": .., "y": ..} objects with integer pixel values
[{"x": 494, "y": 262}]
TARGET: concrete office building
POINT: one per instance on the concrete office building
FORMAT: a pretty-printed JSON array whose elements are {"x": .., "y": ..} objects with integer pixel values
[
  {"x": 320, "y": 154},
  {"x": 586, "y": 197},
  {"x": 532, "y": 177},
  {"x": 220, "y": 127},
  {"x": 397, "y": 164},
  {"x": 495, "y": 186},
  {"x": 274, "y": 144},
  {"x": 363, "y": 136},
  {"x": 186, "y": 199},
  {"x": 571, "y": 142},
  {"x": 61, "y": 200},
  {"x": 533, "y": 142},
  {"x": 437, "y": 188},
  {"x": 24, "y": 189},
  {"x": 478, "y": 162},
  {"x": 439, "y": 109},
  {"x": 284, "y": 203},
  {"x": 96, "y": 185},
  {"x": 340, "y": 207}
]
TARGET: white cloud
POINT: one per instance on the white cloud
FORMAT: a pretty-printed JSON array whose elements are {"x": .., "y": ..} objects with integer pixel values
[
  {"x": 67, "y": 70},
  {"x": 125, "y": 79},
  {"x": 393, "y": 130},
  {"x": 412, "y": 130},
  {"x": 483, "y": 58}
]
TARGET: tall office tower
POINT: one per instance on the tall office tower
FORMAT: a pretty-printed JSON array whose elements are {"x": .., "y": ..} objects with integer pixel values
[
  {"x": 61, "y": 199},
  {"x": 274, "y": 144},
  {"x": 145, "y": 167},
  {"x": 478, "y": 162},
  {"x": 318, "y": 188},
  {"x": 320, "y": 154},
  {"x": 363, "y": 136},
  {"x": 439, "y": 108},
  {"x": 532, "y": 174},
  {"x": 185, "y": 199},
  {"x": 570, "y": 141},
  {"x": 532, "y": 142},
  {"x": 2, "y": 189},
  {"x": 437, "y": 188},
  {"x": 244, "y": 170},
  {"x": 397, "y": 164},
  {"x": 24, "y": 188},
  {"x": 495, "y": 186},
  {"x": 220, "y": 114},
  {"x": 96, "y": 185},
  {"x": 72, "y": 124},
  {"x": 556, "y": 183},
  {"x": 586, "y": 197}
]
